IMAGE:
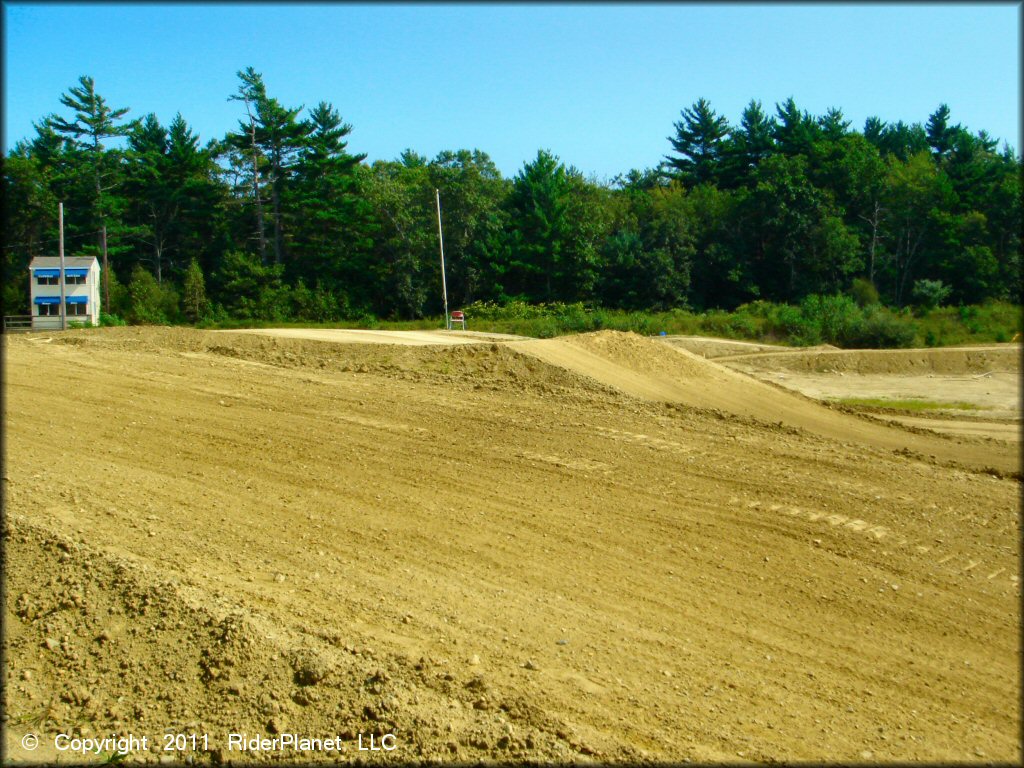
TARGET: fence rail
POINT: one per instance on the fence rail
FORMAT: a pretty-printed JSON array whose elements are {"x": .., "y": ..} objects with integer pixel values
[
  {"x": 18, "y": 323},
  {"x": 24, "y": 323}
]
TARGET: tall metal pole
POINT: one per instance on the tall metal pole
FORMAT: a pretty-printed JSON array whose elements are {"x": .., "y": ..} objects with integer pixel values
[
  {"x": 106, "y": 273},
  {"x": 440, "y": 242},
  {"x": 60, "y": 278}
]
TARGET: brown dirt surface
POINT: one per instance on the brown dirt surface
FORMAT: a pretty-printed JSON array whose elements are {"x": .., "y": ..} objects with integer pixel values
[
  {"x": 710, "y": 347},
  {"x": 596, "y": 548},
  {"x": 987, "y": 378},
  {"x": 945, "y": 360},
  {"x": 970, "y": 427},
  {"x": 359, "y": 336}
]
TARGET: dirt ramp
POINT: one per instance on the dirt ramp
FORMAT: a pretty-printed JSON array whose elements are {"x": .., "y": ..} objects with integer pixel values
[
  {"x": 651, "y": 370},
  {"x": 630, "y": 364}
]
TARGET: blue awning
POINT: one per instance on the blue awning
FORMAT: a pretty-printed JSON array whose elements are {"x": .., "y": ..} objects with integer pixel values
[
  {"x": 47, "y": 299},
  {"x": 78, "y": 299},
  {"x": 76, "y": 272},
  {"x": 46, "y": 272}
]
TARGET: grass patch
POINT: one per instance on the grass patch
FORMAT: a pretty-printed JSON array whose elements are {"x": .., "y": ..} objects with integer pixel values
[{"x": 907, "y": 405}]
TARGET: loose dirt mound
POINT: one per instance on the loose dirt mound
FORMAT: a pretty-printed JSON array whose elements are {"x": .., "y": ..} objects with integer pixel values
[
  {"x": 99, "y": 627},
  {"x": 639, "y": 354},
  {"x": 633, "y": 365},
  {"x": 359, "y": 336},
  {"x": 947, "y": 360},
  {"x": 486, "y": 365}
]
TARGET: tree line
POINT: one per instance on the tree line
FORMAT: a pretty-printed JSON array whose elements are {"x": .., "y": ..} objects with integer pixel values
[{"x": 279, "y": 220}]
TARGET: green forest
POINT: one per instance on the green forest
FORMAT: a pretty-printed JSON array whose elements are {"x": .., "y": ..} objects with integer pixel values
[{"x": 279, "y": 220}]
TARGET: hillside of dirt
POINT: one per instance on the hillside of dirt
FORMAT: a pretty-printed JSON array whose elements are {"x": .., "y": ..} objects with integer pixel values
[
  {"x": 972, "y": 391},
  {"x": 594, "y": 548},
  {"x": 655, "y": 371},
  {"x": 945, "y": 360}
]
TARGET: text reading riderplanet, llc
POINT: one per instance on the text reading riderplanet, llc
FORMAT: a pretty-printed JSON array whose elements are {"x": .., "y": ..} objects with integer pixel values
[{"x": 295, "y": 742}]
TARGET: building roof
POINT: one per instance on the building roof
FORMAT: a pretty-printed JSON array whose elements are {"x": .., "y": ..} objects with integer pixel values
[{"x": 50, "y": 262}]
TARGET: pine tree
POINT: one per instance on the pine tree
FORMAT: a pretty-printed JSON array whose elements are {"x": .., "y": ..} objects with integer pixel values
[
  {"x": 94, "y": 122},
  {"x": 941, "y": 135},
  {"x": 147, "y": 187},
  {"x": 538, "y": 203},
  {"x": 699, "y": 141},
  {"x": 795, "y": 131},
  {"x": 327, "y": 216},
  {"x": 833, "y": 125},
  {"x": 251, "y": 92},
  {"x": 748, "y": 146},
  {"x": 281, "y": 136}
]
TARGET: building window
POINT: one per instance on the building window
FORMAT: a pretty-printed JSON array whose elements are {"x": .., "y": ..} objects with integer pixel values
[
  {"x": 46, "y": 280},
  {"x": 47, "y": 310},
  {"x": 72, "y": 280}
]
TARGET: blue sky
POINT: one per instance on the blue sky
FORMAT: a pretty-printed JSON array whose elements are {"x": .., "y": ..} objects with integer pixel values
[{"x": 599, "y": 85}]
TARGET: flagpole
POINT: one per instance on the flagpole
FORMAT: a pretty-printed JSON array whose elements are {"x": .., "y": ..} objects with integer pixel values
[
  {"x": 440, "y": 242},
  {"x": 60, "y": 225}
]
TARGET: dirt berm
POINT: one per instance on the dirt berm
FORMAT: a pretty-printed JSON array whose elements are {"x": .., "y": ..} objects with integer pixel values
[
  {"x": 946, "y": 360},
  {"x": 584, "y": 549},
  {"x": 655, "y": 371}
]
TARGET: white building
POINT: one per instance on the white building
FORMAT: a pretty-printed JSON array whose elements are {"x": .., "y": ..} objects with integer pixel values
[{"x": 81, "y": 291}]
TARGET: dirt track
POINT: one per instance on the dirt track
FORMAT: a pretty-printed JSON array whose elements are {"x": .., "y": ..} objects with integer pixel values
[{"x": 588, "y": 548}]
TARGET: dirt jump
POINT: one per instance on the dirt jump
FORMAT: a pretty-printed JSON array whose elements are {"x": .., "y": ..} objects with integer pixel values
[{"x": 599, "y": 548}]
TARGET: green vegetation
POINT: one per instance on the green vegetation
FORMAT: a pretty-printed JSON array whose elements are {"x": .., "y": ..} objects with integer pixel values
[
  {"x": 834, "y": 320},
  {"x": 786, "y": 226},
  {"x": 906, "y": 405}
]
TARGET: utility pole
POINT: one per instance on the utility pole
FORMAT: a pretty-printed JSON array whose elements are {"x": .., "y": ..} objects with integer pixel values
[
  {"x": 440, "y": 242},
  {"x": 60, "y": 279},
  {"x": 106, "y": 272}
]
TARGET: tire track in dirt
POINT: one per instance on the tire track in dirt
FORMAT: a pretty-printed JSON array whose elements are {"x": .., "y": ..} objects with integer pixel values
[{"x": 958, "y": 562}]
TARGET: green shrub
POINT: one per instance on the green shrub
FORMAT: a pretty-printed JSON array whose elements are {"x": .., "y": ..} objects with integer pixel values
[
  {"x": 144, "y": 298},
  {"x": 836, "y": 319},
  {"x": 194, "y": 289},
  {"x": 929, "y": 294},
  {"x": 880, "y": 329},
  {"x": 759, "y": 308},
  {"x": 575, "y": 318},
  {"x": 783, "y": 322},
  {"x": 863, "y": 292},
  {"x": 119, "y": 303}
]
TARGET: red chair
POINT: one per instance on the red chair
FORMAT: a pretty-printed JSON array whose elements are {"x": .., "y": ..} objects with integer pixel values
[{"x": 457, "y": 317}]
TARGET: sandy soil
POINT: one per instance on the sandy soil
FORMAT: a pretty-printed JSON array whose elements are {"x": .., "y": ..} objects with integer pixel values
[
  {"x": 593, "y": 548},
  {"x": 710, "y": 347},
  {"x": 986, "y": 377},
  {"x": 955, "y": 361},
  {"x": 994, "y": 430},
  {"x": 357, "y": 336}
]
